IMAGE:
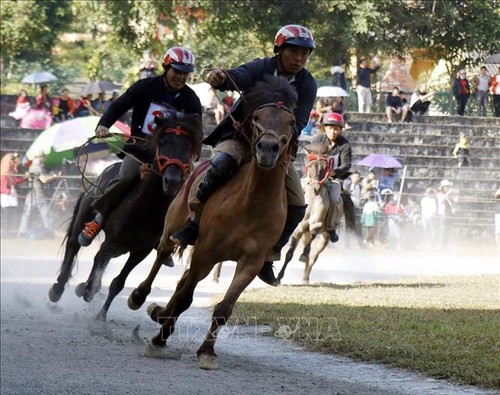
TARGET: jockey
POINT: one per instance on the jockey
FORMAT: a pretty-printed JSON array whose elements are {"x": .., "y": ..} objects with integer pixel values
[
  {"x": 340, "y": 153},
  {"x": 149, "y": 97},
  {"x": 293, "y": 45}
]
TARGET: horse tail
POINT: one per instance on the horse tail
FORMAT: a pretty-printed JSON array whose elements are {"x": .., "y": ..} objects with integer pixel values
[
  {"x": 349, "y": 211},
  {"x": 71, "y": 225}
]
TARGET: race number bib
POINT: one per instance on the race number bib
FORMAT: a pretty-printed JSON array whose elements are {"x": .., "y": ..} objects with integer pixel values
[
  {"x": 333, "y": 162},
  {"x": 155, "y": 110}
]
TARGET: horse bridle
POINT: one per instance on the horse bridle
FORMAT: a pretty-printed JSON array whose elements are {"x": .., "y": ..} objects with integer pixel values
[
  {"x": 285, "y": 140},
  {"x": 329, "y": 168},
  {"x": 164, "y": 161}
]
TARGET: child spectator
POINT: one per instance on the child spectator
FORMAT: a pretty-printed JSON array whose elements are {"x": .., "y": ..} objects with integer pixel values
[
  {"x": 370, "y": 219},
  {"x": 461, "y": 151}
]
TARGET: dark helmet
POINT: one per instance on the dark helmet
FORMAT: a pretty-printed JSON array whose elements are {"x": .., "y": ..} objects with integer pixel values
[
  {"x": 333, "y": 118},
  {"x": 294, "y": 35},
  {"x": 179, "y": 58}
]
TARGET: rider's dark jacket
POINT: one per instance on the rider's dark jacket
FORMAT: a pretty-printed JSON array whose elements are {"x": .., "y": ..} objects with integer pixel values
[
  {"x": 246, "y": 76},
  {"x": 140, "y": 96},
  {"x": 341, "y": 151}
]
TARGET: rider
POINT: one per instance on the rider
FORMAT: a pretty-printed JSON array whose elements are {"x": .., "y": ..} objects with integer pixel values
[
  {"x": 149, "y": 97},
  {"x": 293, "y": 45},
  {"x": 340, "y": 152}
]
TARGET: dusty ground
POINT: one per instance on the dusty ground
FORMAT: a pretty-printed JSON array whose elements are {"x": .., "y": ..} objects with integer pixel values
[{"x": 57, "y": 348}]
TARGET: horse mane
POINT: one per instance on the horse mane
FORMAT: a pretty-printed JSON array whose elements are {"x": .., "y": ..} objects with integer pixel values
[
  {"x": 271, "y": 89},
  {"x": 189, "y": 122}
]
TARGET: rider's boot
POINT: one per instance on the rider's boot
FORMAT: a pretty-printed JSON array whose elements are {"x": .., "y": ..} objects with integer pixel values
[
  {"x": 91, "y": 230},
  {"x": 295, "y": 214},
  {"x": 223, "y": 166}
]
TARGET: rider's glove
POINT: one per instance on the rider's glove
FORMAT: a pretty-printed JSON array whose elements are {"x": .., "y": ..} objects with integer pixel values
[{"x": 102, "y": 132}]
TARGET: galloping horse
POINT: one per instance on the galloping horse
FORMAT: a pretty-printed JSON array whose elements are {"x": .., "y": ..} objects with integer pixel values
[
  {"x": 135, "y": 225},
  {"x": 312, "y": 229},
  {"x": 241, "y": 221}
]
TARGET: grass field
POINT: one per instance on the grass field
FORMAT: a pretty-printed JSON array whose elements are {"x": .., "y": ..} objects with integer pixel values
[{"x": 444, "y": 327}]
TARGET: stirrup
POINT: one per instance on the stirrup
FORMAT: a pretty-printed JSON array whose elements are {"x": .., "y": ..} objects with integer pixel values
[
  {"x": 187, "y": 235},
  {"x": 266, "y": 274}
]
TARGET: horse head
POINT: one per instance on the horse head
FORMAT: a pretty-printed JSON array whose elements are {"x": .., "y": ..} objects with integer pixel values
[
  {"x": 318, "y": 166},
  {"x": 269, "y": 112},
  {"x": 177, "y": 143}
]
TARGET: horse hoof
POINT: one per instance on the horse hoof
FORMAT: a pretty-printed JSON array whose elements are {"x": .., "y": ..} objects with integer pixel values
[
  {"x": 153, "y": 310},
  {"x": 80, "y": 290},
  {"x": 207, "y": 362},
  {"x": 54, "y": 296},
  {"x": 159, "y": 352},
  {"x": 304, "y": 258},
  {"x": 135, "y": 300}
]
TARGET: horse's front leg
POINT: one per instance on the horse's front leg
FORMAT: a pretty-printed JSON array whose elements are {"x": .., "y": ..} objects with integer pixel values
[
  {"x": 317, "y": 246},
  {"x": 246, "y": 270},
  {"x": 88, "y": 289},
  {"x": 179, "y": 302},
  {"x": 164, "y": 254},
  {"x": 119, "y": 281},
  {"x": 294, "y": 240}
]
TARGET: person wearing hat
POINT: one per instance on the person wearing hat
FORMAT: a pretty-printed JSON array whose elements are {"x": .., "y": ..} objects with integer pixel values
[
  {"x": 38, "y": 178},
  {"x": 447, "y": 199},
  {"x": 428, "y": 211},
  {"x": 340, "y": 156},
  {"x": 293, "y": 45},
  {"x": 148, "y": 97}
]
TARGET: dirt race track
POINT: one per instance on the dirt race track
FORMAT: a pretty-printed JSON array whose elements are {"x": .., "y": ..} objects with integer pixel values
[{"x": 51, "y": 348}]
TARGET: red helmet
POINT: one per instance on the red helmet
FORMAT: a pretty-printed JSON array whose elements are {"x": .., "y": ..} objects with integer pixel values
[
  {"x": 333, "y": 118},
  {"x": 294, "y": 35},
  {"x": 179, "y": 58}
]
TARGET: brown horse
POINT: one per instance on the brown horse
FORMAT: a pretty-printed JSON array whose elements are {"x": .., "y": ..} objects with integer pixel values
[
  {"x": 312, "y": 230},
  {"x": 252, "y": 205}
]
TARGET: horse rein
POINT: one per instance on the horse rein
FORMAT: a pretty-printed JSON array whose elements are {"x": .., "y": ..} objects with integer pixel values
[
  {"x": 329, "y": 168},
  {"x": 163, "y": 161}
]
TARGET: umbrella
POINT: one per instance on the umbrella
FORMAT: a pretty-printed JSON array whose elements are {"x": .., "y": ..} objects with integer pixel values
[
  {"x": 39, "y": 77},
  {"x": 97, "y": 87},
  {"x": 331, "y": 91},
  {"x": 493, "y": 59},
  {"x": 381, "y": 160},
  {"x": 62, "y": 140}
]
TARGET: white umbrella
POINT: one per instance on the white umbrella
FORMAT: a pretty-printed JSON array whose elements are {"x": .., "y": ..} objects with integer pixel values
[
  {"x": 493, "y": 59},
  {"x": 97, "y": 87},
  {"x": 39, "y": 77},
  {"x": 331, "y": 91}
]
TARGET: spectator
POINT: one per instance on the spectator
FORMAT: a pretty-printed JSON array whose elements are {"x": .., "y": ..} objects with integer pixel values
[
  {"x": 394, "y": 212},
  {"x": 108, "y": 102},
  {"x": 9, "y": 180},
  {"x": 447, "y": 199},
  {"x": 461, "y": 91},
  {"x": 394, "y": 104},
  {"x": 338, "y": 106},
  {"x": 461, "y": 151},
  {"x": 338, "y": 75},
  {"x": 428, "y": 210},
  {"x": 228, "y": 101},
  {"x": 324, "y": 106},
  {"x": 22, "y": 106},
  {"x": 364, "y": 85},
  {"x": 216, "y": 108},
  {"x": 481, "y": 84},
  {"x": 84, "y": 107},
  {"x": 370, "y": 219},
  {"x": 495, "y": 91},
  {"x": 353, "y": 185},
  {"x": 368, "y": 184},
  {"x": 313, "y": 126},
  {"x": 420, "y": 100},
  {"x": 38, "y": 179},
  {"x": 66, "y": 107},
  {"x": 98, "y": 104},
  {"x": 388, "y": 179},
  {"x": 147, "y": 65},
  {"x": 43, "y": 100}
]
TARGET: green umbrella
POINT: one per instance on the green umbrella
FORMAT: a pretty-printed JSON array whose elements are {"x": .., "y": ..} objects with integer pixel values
[{"x": 61, "y": 141}]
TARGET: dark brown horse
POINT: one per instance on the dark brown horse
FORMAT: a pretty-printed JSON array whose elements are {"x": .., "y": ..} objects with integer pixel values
[
  {"x": 135, "y": 225},
  {"x": 241, "y": 221},
  {"x": 312, "y": 229}
]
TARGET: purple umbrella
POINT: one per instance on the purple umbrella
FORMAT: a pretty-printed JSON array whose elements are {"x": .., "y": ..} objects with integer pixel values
[{"x": 380, "y": 160}]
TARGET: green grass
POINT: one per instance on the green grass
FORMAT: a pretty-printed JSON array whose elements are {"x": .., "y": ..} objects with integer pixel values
[{"x": 445, "y": 327}]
